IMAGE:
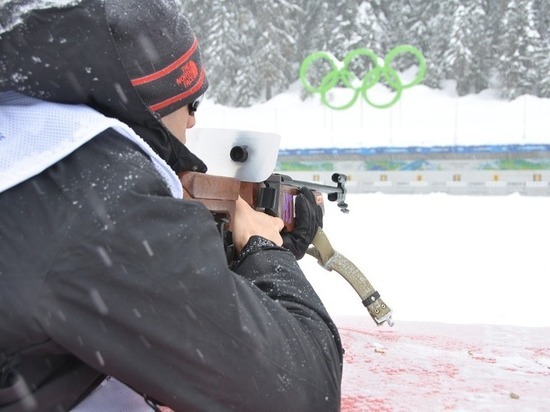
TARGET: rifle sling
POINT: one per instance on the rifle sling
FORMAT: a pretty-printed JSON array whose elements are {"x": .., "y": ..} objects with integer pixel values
[{"x": 330, "y": 259}]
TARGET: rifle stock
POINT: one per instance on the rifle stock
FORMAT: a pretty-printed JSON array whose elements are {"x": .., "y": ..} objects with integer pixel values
[{"x": 275, "y": 196}]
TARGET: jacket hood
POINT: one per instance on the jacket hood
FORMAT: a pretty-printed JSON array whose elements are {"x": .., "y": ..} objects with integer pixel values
[{"x": 66, "y": 54}]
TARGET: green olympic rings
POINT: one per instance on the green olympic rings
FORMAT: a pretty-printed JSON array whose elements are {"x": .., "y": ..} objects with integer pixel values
[{"x": 339, "y": 73}]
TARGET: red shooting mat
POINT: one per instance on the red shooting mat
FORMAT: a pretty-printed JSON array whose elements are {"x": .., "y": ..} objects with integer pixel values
[{"x": 419, "y": 366}]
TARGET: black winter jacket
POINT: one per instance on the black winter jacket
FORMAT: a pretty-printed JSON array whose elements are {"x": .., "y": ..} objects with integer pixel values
[{"x": 102, "y": 270}]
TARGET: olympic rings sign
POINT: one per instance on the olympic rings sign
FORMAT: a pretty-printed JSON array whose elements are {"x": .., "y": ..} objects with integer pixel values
[{"x": 340, "y": 73}]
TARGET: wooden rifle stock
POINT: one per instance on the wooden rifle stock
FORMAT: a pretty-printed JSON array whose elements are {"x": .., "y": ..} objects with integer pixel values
[
  {"x": 275, "y": 196},
  {"x": 219, "y": 194}
]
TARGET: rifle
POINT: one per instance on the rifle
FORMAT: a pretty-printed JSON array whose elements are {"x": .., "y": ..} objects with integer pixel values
[{"x": 275, "y": 196}]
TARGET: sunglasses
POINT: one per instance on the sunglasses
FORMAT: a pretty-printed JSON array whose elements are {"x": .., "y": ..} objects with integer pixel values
[{"x": 194, "y": 105}]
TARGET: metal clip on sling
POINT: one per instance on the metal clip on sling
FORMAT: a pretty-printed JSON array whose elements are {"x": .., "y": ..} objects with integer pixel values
[{"x": 330, "y": 259}]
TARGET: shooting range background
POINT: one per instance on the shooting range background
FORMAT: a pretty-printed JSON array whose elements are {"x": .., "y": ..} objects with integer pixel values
[
  {"x": 466, "y": 272},
  {"x": 434, "y": 256}
]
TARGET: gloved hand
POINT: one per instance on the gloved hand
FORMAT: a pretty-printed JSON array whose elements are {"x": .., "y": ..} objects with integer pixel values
[{"x": 308, "y": 218}]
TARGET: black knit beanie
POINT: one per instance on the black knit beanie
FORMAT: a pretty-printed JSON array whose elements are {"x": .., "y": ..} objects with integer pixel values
[{"x": 159, "y": 52}]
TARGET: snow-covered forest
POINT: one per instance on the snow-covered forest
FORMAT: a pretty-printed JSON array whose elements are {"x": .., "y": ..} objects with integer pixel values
[{"x": 253, "y": 48}]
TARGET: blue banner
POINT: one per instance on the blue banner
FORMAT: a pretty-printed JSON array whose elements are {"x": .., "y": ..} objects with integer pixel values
[{"x": 438, "y": 150}]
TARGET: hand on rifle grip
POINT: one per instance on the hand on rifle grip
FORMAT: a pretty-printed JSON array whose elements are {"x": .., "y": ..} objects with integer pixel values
[
  {"x": 308, "y": 218},
  {"x": 249, "y": 222}
]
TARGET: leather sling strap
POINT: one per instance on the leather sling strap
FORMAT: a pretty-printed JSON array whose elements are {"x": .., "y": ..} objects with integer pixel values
[{"x": 330, "y": 259}]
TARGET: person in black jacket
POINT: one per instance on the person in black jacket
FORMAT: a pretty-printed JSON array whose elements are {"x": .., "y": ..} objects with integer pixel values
[{"x": 105, "y": 271}]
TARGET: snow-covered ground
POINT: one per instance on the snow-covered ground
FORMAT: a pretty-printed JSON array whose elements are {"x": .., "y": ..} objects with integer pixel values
[
  {"x": 437, "y": 257},
  {"x": 421, "y": 117},
  {"x": 425, "y": 366},
  {"x": 443, "y": 258},
  {"x": 466, "y": 276}
]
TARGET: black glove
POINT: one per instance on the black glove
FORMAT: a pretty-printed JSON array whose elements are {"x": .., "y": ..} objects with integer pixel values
[{"x": 308, "y": 218}]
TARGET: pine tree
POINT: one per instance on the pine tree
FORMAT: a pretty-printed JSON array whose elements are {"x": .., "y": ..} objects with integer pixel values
[
  {"x": 274, "y": 55},
  {"x": 310, "y": 23},
  {"x": 222, "y": 34},
  {"x": 374, "y": 28},
  {"x": 467, "y": 57},
  {"x": 342, "y": 27},
  {"x": 425, "y": 25},
  {"x": 248, "y": 47},
  {"x": 521, "y": 46},
  {"x": 544, "y": 87},
  {"x": 253, "y": 49},
  {"x": 542, "y": 10}
]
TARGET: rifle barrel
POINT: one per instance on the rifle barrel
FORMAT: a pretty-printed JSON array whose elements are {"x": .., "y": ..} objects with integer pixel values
[{"x": 316, "y": 186}]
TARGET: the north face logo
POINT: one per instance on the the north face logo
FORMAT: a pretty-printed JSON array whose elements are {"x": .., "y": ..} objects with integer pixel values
[{"x": 190, "y": 74}]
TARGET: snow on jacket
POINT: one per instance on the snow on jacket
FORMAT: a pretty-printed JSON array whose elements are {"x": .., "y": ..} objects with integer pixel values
[
  {"x": 102, "y": 266},
  {"x": 103, "y": 272}
]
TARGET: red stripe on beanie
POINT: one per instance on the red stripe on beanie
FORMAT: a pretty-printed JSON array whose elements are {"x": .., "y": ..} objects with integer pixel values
[
  {"x": 181, "y": 96},
  {"x": 171, "y": 67}
]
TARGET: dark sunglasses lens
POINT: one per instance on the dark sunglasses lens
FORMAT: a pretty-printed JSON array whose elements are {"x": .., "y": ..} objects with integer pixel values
[{"x": 194, "y": 105}]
